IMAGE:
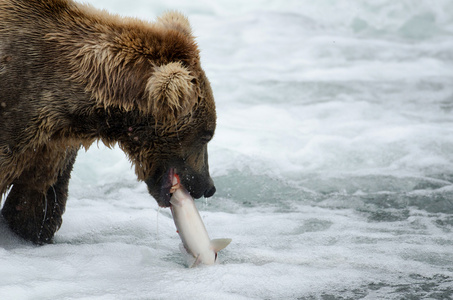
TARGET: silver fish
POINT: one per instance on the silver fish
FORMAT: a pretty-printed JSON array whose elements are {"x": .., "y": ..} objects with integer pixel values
[{"x": 190, "y": 227}]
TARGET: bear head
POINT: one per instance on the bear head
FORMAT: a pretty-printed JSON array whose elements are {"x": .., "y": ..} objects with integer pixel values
[
  {"x": 147, "y": 80},
  {"x": 184, "y": 116},
  {"x": 174, "y": 116}
]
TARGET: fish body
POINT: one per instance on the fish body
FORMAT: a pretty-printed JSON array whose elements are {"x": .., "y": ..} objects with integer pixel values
[{"x": 191, "y": 229}]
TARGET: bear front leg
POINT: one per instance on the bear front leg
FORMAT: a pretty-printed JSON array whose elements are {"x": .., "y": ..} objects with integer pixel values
[{"x": 35, "y": 215}]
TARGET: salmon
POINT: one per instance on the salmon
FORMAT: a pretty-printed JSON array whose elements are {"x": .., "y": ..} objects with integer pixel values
[{"x": 190, "y": 227}]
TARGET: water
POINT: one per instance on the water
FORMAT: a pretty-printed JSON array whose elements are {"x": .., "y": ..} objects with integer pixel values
[{"x": 333, "y": 160}]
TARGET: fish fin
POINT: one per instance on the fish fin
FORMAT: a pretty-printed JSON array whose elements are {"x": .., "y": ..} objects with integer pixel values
[
  {"x": 219, "y": 244},
  {"x": 189, "y": 258},
  {"x": 174, "y": 201},
  {"x": 196, "y": 262}
]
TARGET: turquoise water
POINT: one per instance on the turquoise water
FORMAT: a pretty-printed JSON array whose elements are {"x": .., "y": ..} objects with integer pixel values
[{"x": 333, "y": 161}]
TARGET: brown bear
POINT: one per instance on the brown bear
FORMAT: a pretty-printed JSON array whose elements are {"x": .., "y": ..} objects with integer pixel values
[{"x": 71, "y": 75}]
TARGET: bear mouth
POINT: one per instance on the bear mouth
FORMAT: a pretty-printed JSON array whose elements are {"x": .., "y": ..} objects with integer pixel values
[{"x": 166, "y": 187}]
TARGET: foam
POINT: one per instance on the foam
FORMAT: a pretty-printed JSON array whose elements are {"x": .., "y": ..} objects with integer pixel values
[{"x": 333, "y": 161}]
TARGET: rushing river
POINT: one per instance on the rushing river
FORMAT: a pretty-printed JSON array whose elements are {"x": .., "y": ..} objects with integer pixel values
[{"x": 333, "y": 161}]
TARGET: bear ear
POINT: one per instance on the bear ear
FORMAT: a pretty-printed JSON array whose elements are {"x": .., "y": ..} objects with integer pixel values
[
  {"x": 171, "y": 92},
  {"x": 175, "y": 20}
]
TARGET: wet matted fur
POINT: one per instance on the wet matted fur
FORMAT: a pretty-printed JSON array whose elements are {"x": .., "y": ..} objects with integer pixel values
[{"x": 71, "y": 75}]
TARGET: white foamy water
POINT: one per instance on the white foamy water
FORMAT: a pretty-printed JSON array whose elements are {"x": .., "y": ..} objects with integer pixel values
[{"x": 333, "y": 161}]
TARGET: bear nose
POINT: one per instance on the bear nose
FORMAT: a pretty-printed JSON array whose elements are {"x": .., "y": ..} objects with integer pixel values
[{"x": 209, "y": 192}]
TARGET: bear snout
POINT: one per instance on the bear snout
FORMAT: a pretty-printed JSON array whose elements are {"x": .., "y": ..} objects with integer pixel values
[
  {"x": 210, "y": 192},
  {"x": 198, "y": 185}
]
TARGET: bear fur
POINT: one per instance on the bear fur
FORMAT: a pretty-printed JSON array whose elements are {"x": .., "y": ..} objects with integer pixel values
[{"x": 71, "y": 75}]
